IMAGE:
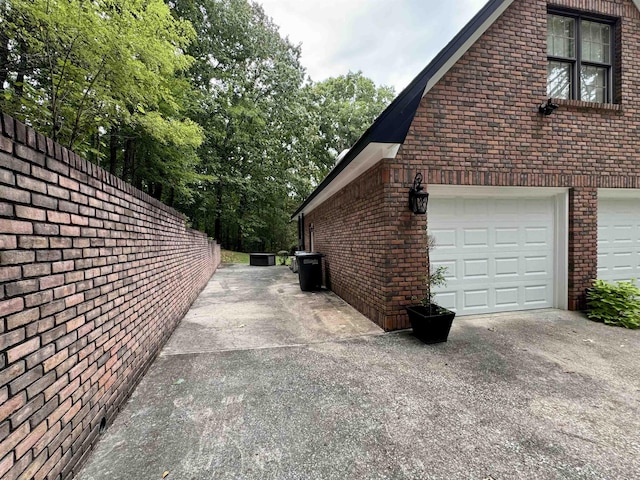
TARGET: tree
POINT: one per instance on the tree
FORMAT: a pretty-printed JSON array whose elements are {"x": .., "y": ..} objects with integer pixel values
[
  {"x": 343, "y": 108},
  {"x": 250, "y": 80},
  {"x": 82, "y": 71},
  {"x": 201, "y": 103}
]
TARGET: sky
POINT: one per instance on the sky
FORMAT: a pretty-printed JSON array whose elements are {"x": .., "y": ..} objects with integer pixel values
[{"x": 390, "y": 41}]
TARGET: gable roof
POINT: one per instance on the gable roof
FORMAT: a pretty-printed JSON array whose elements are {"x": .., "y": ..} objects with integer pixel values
[{"x": 392, "y": 126}]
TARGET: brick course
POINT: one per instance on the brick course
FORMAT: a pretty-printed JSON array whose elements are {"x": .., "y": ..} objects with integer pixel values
[
  {"x": 94, "y": 277},
  {"x": 479, "y": 125}
]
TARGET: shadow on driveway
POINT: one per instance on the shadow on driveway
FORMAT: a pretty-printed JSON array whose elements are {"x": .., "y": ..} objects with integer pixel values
[{"x": 543, "y": 394}]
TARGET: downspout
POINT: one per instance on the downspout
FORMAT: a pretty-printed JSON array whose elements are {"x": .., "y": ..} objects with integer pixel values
[{"x": 301, "y": 232}]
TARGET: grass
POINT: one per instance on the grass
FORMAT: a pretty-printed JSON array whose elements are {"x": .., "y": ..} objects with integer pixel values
[
  {"x": 229, "y": 256},
  {"x": 235, "y": 257}
]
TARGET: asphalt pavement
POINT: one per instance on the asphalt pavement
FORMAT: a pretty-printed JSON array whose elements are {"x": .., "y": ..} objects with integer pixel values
[{"x": 263, "y": 381}]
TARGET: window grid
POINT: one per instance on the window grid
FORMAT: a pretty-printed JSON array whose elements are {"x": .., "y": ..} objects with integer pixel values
[{"x": 579, "y": 57}]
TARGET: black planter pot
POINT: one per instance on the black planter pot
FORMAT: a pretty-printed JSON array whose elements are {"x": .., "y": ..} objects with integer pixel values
[{"x": 430, "y": 323}]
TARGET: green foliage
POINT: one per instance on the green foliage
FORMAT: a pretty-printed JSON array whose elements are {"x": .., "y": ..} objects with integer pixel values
[
  {"x": 341, "y": 110},
  {"x": 103, "y": 78},
  {"x": 200, "y": 103},
  {"x": 435, "y": 277},
  {"x": 229, "y": 256},
  {"x": 614, "y": 304},
  {"x": 283, "y": 255}
]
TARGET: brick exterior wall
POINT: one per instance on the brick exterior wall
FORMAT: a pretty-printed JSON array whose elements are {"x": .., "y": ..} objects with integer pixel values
[
  {"x": 479, "y": 125},
  {"x": 94, "y": 277},
  {"x": 366, "y": 262}
]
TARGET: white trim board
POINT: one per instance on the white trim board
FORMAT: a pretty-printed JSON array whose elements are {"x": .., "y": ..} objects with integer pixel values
[
  {"x": 370, "y": 156},
  {"x": 443, "y": 190},
  {"x": 619, "y": 192}
]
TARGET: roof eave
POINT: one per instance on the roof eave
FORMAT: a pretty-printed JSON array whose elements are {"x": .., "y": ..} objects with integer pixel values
[{"x": 392, "y": 125}]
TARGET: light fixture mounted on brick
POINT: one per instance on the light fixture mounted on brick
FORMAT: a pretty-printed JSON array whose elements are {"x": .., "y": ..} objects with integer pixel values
[
  {"x": 418, "y": 198},
  {"x": 547, "y": 108}
]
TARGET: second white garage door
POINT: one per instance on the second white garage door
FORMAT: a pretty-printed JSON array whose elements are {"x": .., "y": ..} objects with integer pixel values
[
  {"x": 499, "y": 252},
  {"x": 618, "y": 238}
]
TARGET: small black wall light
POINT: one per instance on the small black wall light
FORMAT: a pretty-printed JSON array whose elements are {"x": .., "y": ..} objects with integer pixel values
[
  {"x": 547, "y": 108},
  {"x": 418, "y": 198}
]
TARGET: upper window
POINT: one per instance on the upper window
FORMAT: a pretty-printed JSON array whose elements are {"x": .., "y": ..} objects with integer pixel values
[{"x": 580, "y": 56}]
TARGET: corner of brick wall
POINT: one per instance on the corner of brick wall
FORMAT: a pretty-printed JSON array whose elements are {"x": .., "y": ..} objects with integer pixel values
[
  {"x": 350, "y": 228},
  {"x": 94, "y": 277}
]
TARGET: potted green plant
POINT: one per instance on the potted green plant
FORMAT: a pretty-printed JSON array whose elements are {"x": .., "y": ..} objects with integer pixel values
[{"x": 431, "y": 323}]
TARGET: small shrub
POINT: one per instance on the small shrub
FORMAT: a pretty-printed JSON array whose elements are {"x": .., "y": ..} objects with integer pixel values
[
  {"x": 283, "y": 255},
  {"x": 434, "y": 278},
  {"x": 614, "y": 304}
]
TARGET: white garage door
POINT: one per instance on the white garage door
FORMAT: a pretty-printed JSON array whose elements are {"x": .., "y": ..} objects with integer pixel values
[
  {"x": 618, "y": 239},
  {"x": 499, "y": 253}
]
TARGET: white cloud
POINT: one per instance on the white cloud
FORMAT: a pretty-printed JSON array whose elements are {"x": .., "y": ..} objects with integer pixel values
[{"x": 391, "y": 42}]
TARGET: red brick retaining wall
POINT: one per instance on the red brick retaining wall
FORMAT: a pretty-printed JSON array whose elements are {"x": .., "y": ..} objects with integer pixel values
[{"x": 94, "y": 277}]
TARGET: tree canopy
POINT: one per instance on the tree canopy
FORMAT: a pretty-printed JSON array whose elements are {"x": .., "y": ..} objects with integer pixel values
[{"x": 201, "y": 103}]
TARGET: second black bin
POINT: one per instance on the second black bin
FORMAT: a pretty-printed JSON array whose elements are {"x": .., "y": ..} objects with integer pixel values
[{"x": 310, "y": 270}]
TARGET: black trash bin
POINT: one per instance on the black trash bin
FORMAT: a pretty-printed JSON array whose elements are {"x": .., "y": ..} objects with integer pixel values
[{"x": 309, "y": 270}]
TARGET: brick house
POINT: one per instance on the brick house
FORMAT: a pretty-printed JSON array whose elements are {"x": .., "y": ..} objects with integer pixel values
[{"x": 527, "y": 204}]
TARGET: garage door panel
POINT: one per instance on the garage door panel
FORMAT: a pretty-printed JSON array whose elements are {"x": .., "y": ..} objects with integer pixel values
[
  {"x": 507, "y": 297},
  {"x": 618, "y": 239},
  {"x": 507, "y": 267},
  {"x": 536, "y": 295},
  {"x": 446, "y": 237},
  {"x": 498, "y": 253},
  {"x": 476, "y": 298},
  {"x": 537, "y": 265},
  {"x": 447, "y": 299},
  {"x": 537, "y": 237},
  {"x": 623, "y": 234},
  {"x": 475, "y": 237},
  {"x": 476, "y": 269},
  {"x": 472, "y": 207},
  {"x": 506, "y": 206},
  {"x": 507, "y": 237}
]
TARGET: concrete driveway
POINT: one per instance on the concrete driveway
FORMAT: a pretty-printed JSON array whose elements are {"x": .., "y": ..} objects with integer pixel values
[{"x": 306, "y": 389}]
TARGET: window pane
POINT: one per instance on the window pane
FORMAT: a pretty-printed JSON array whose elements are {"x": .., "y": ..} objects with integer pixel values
[
  {"x": 596, "y": 42},
  {"x": 561, "y": 36},
  {"x": 559, "y": 80},
  {"x": 593, "y": 84}
]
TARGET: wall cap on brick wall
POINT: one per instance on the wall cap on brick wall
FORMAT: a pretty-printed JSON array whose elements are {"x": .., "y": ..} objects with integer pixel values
[{"x": 20, "y": 133}]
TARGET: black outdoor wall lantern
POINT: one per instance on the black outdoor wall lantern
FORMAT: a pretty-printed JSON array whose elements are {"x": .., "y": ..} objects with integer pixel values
[
  {"x": 547, "y": 108},
  {"x": 418, "y": 198}
]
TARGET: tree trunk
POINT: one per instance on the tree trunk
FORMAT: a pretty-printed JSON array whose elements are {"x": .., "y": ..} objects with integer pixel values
[
  {"x": 129, "y": 156},
  {"x": 157, "y": 190},
  {"x": 22, "y": 68},
  {"x": 113, "y": 150},
  {"x": 218, "y": 220},
  {"x": 4, "y": 62}
]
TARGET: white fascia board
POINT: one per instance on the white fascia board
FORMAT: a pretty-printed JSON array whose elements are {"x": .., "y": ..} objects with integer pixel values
[
  {"x": 370, "y": 156},
  {"x": 618, "y": 193},
  {"x": 453, "y": 59},
  {"x": 637, "y": 3},
  {"x": 443, "y": 190}
]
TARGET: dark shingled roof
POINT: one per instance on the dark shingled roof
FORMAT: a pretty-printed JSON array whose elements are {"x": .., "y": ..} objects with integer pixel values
[{"x": 393, "y": 123}]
